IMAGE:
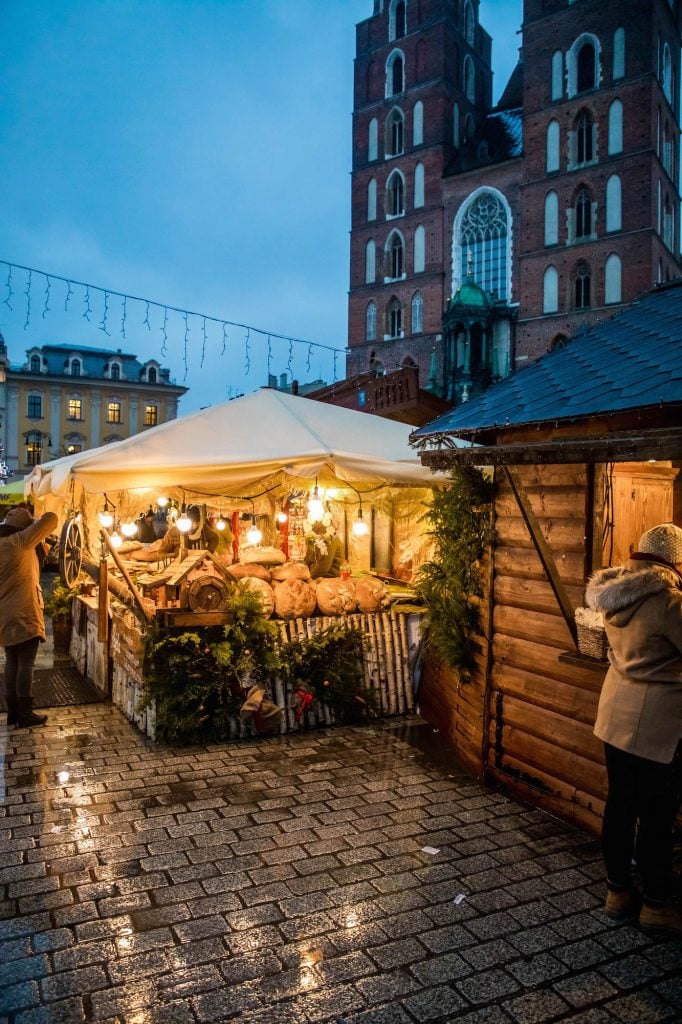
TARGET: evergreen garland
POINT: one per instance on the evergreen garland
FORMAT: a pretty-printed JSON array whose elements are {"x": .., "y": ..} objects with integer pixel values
[
  {"x": 329, "y": 664},
  {"x": 459, "y": 518}
]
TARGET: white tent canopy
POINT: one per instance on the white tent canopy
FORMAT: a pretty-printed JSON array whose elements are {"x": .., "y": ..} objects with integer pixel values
[{"x": 232, "y": 446}]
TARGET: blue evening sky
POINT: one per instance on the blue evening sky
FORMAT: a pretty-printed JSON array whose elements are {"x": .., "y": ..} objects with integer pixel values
[{"x": 195, "y": 152}]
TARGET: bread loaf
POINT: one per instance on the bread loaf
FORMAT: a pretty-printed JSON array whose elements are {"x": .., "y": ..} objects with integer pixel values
[
  {"x": 372, "y": 595},
  {"x": 240, "y": 571},
  {"x": 290, "y": 571},
  {"x": 264, "y": 591},
  {"x": 294, "y": 599},
  {"x": 336, "y": 596}
]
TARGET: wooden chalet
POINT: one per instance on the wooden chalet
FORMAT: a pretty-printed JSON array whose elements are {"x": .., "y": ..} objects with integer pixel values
[{"x": 586, "y": 450}]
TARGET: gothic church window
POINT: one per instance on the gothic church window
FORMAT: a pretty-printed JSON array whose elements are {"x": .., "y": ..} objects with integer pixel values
[
  {"x": 584, "y": 226},
  {"x": 584, "y": 131},
  {"x": 612, "y": 279},
  {"x": 371, "y": 322},
  {"x": 615, "y": 128},
  {"x": 372, "y": 199},
  {"x": 370, "y": 262},
  {"x": 613, "y": 204},
  {"x": 394, "y": 319},
  {"x": 582, "y": 287},
  {"x": 586, "y": 73},
  {"x": 417, "y": 313},
  {"x": 557, "y": 75},
  {"x": 455, "y": 125},
  {"x": 418, "y": 124},
  {"x": 483, "y": 243},
  {"x": 469, "y": 23},
  {"x": 395, "y": 133},
  {"x": 419, "y": 192},
  {"x": 395, "y": 195},
  {"x": 395, "y": 255},
  {"x": 395, "y": 73},
  {"x": 667, "y": 149},
  {"x": 583, "y": 65},
  {"x": 667, "y": 74},
  {"x": 372, "y": 139},
  {"x": 668, "y": 226},
  {"x": 619, "y": 53},
  {"x": 419, "y": 249},
  {"x": 469, "y": 79},
  {"x": 551, "y": 219},
  {"x": 550, "y": 290},
  {"x": 397, "y": 20},
  {"x": 552, "y": 160}
]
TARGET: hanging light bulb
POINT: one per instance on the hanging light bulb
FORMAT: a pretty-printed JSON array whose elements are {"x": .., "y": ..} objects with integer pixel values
[
  {"x": 253, "y": 534},
  {"x": 360, "y": 527},
  {"x": 282, "y": 516},
  {"x": 162, "y": 502},
  {"x": 116, "y": 540},
  {"x": 183, "y": 522},
  {"x": 128, "y": 529},
  {"x": 315, "y": 506},
  {"x": 106, "y": 516},
  {"x": 220, "y": 523}
]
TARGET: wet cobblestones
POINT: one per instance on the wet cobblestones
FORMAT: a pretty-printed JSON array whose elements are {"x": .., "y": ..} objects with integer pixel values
[{"x": 285, "y": 882}]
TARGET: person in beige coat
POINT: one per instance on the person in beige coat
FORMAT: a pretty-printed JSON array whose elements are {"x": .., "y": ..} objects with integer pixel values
[
  {"x": 639, "y": 720},
  {"x": 22, "y": 623}
]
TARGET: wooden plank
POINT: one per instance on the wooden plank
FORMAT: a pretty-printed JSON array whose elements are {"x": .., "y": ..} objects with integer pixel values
[
  {"x": 536, "y": 595},
  {"x": 561, "y": 534},
  {"x": 541, "y": 756},
  {"x": 103, "y": 603},
  {"x": 544, "y": 552},
  {"x": 137, "y": 597},
  {"x": 518, "y": 561},
  {"x": 529, "y": 625},
  {"x": 546, "y": 502},
  {"x": 586, "y": 813},
  {"x": 523, "y": 652},
  {"x": 564, "y": 734},
  {"x": 563, "y": 698},
  {"x": 183, "y": 617}
]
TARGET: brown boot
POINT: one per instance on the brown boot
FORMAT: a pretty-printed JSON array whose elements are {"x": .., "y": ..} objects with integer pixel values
[
  {"x": 660, "y": 919},
  {"x": 621, "y": 906}
]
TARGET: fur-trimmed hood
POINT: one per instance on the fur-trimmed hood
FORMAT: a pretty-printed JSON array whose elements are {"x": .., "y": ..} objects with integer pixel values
[{"x": 619, "y": 592}]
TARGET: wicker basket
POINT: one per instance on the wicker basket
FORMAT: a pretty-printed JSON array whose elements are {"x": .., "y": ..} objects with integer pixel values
[{"x": 592, "y": 641}]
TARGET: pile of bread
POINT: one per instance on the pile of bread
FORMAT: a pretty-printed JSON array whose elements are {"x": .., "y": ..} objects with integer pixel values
[{"x": 288, "y": 591}]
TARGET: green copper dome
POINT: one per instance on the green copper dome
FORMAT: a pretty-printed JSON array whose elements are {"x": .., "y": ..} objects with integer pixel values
[{"x": 470, "y": 295}]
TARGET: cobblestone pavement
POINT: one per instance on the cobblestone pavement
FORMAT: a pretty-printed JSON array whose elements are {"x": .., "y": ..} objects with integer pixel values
[{"x": 285, "y": 882}]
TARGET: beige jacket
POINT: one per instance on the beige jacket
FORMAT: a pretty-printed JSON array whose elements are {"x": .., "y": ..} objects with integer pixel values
[
  {"x": 21, "y": 599},
  {"x": 640, "y": 708}
]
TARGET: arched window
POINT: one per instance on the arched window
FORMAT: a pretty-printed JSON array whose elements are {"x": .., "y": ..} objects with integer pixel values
[
  {"x": 469, "y": 23},
  {"x": 619, "y": 53},
  {"x": 455, "y": 125},
  {"x": 418, "y": 124},
  {"x": 419, "y": 249},
  {"x": 583, "y": 215},
  {"x": 668, "y": 226},
  {"x": 419, "y": 196},
  {"x": 371, "y": 322},
  {"x": 395, "y": 195},
  {"x": 551, "y": 219},
  {"x": 394, "y": 319},
  {"x": 397, "y": 21},
  {"x": 615, "y": 128},
  {"x": 559, "y": 341},
  {"x": 395, "y": 132},
  {"x": 417, "y": 313},
  {"x": 370, "y": 262},
  {"x": 481, "y": 243},
  {"x": 34, "y": 364},
  {"x": 372, "y": 139},
  {"x": 115, "y": 371},
  {"x": 667, "y": 148},
  {"x": 372, "y": 199},
  {"x": 582, "y": 287},
  {"x": 557, "y": 75},
  {"x": 584, "y": 138},
  {"x": 76, "y": 367},
  {"x": 550, "y": 290},
  {"x": 469, "y": 126},
  {"x": 395, "y": 255},
  {"x": 586, "y": 67},
  {"x": 667, "y": 73},
  {"x": 34, "y": 448},
  {"x": 552, "y": 146},
  {"x": 469, "y": 79},
  {"x": 395, "y": 73},
  {"x": 612, "y": 279},
  {"x": 613, "y": 204}
]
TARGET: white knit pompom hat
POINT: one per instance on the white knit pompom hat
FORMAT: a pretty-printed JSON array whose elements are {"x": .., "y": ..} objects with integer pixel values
[{"x": 665, "y": 541}]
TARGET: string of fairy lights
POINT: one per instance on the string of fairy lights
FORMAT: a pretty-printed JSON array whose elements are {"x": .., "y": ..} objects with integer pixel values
[{"x": 113, "y": 312}]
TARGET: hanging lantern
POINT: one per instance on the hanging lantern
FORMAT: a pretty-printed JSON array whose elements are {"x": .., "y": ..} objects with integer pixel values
[
  {"x": 315, "y": 506},
  {"x": 253, "y": 534},
  {"x": 128, "y": 529},
  {"x": 360, "y": 527}
]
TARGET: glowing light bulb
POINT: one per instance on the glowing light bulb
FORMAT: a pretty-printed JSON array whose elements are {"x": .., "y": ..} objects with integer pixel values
[
  {"x": 183, "y": 522},
  {"x": 282, "y": 516},
  {"x": 254, "y": 535},
  {"x": 116, "y": 540},
  {"x": 162, "y": 502},
  {"x": 128, "y": 529},
  {"x": 360, "y": 527},
  {"x": 315, "y": 506},
  {"x": 220, "y": 523},
  {"x": 106, "y": 518}
]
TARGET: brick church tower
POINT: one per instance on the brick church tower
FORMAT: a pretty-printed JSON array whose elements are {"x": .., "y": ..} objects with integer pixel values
[{"x": 482, "y": 237}]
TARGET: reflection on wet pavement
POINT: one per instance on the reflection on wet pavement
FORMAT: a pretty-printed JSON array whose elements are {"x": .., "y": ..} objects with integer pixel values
[{"x": 354, "y": 875}]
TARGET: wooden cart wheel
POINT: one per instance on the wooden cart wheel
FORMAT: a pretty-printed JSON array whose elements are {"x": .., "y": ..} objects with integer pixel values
[
  {"x": 70, "y": 552},
  {"x": 207, "y": 594}
]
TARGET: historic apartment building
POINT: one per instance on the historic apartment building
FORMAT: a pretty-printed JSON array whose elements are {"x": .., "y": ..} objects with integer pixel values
[
  {"x": 64, "y": 399},
  {"x": 481, "y": 237}
]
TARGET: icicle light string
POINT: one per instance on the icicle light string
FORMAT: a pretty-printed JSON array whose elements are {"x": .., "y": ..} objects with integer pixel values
[
  {"x": 185, "y": 314},
  {"x": 46, "y": 307}
]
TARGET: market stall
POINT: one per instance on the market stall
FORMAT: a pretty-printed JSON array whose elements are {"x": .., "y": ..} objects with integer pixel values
[{"x": 314, "y": 509}]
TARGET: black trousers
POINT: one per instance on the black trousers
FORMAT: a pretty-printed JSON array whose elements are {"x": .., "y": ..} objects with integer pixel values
[
  {"x": 19, "y": 661},
  {"x": 638, "y": 821}
]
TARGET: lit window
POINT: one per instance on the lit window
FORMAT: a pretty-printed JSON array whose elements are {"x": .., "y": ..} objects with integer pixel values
[
  {"x": 73, "y": 449},
  {"x": 583, "y": 287},
  {"x": 151, "y": 416},
  {"x": 114, "y": 412},
  {"x": 35, "y": 364},
  {"x": 34, "y": 449},
  {"x": 75, "y": 409},
  {"x": 34, "y": 410}
]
